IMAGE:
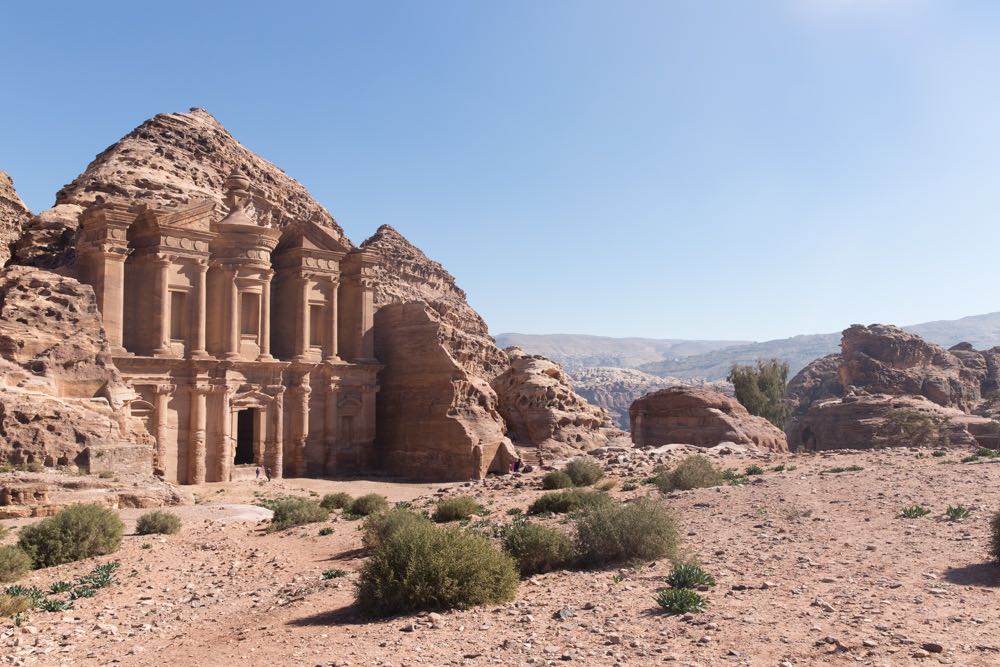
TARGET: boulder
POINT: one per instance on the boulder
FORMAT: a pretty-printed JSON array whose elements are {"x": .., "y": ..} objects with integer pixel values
[
  {"x": 14, "y": 215},
  {"x": 700, "y": 417},
  {"x": 62, "y": 401},
  {"x": 540, "y": 408},
  {"x": 436, "y": 420}
]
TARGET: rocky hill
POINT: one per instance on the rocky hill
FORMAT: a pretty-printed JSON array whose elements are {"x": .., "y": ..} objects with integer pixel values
[
  {"x": 14, "y": 215},
  {"x": 172, "y": 157}
]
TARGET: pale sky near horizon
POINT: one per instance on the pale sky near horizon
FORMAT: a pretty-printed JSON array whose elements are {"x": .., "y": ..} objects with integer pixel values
[{"x": 697, "y": 169}]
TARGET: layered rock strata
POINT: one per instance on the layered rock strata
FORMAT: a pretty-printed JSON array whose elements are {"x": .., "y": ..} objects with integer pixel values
[
  {"x": 14, "y": 215},
  {"x": 62, "y": 398},
  {"x": 540, "y": 408},
  {"x": 701, "y": 417}
]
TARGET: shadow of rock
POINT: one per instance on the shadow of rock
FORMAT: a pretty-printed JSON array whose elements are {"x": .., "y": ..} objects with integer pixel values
[{"x": 978, "y": 574}]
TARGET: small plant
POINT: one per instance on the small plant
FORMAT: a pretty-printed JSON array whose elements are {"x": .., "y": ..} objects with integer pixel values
[
  {"x": 778, "y": 468},
  {"x": 606, "y": 484},
  {"x": 291, "y": 512},
  {"x": 693, "y": 472},
  {"x": 334, "y": 573},
  {"x": 455, "y": 509},
  {"x": 753, "y": 469},
  {"x": 101, "y": 576},
  {"x": 145, "y": 545},
  {"x": 957, "y": 513},
  {"x": 584, "y": 471},
  {"x": 971, "y": 458},
  {"x": 55, "y": 604},
  {"x": 59, "y": 587},
  {"x": 323, "y": 532},
  {"x": 336, "y": 501},
  {"x": 158, "y": 523},
  {"x": 676, "y": 601},
  {"x": 987, "y": 453},
  {"x": 838, "y": 470},
  {"x": 33, "y": 593},
  {"x": 689, "y": 575},
  {"x": 537, "y": 548},
  {"x": 423, "y": 567},
  {"x": 14, "y": 563},
  {"x": 914, "y": 512},
  {"x": 371, "y": 503},
  {"x": 379, "y": 527},
  {"x": 734, "y": 477},
  {"x": 82, "y": 592},
  {"x": 105, "y": 474},
  {"x": 569, "y": 500},
  {"x": 79, "y": 531},
  {"x": 629, "y": 486},
  {"x": 556, "y": 479},
  {"x": 937, "y": 453},
  {"x": 640, "y": 531}
]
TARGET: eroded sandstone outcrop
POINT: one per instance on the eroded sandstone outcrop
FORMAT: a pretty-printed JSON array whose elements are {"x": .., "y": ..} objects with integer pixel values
[
  {"x": 61, "y": 402},
  {"x": 885, "y": 375},
  {"x": 540, "y": 408},
  {"x": 14, "y": 215},
  {"x": 436, "y": 420},
  {"x": 171, "y": 158},
  {"x": 702, "y": 417}
]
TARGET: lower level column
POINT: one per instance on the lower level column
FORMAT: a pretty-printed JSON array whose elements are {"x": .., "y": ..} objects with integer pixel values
[{"x": 196, "y": 448}]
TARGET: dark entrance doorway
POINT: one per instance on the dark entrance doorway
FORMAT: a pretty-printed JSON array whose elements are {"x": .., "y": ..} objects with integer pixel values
[{"x": 244, "y": 437}]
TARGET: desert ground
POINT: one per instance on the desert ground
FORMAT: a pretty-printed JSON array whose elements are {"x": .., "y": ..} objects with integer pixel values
[{"x": 813, "y": 567}]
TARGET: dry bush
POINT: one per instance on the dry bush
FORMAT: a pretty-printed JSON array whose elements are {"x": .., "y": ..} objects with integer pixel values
[
  {"x": 336, "y": 501},
  {"x": 570, "y": 500},
  {"x": 584, "y": 471},
  {"x": 379, "y": 527},
  {"x": 371, "y": 503},
  {"x": 14, "y": 563},
  {"x": 556, "y": 479},
  {"x": 454, "y": 509},
  {"x": 79, "y": 531},
  {"x": 643, "y": 530},
  {"x": 158, "y": 523},
  {"x": 12, "y": 605},
  {"x": 422, "y": 567},
  {"x": 693, "y": 472},
  {"x": 291, "y": 512},
  {"x": 537, "y": 548},
  {"x": 995, "y": 536}
]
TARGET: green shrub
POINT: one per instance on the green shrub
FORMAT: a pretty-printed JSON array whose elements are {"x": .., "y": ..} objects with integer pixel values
[
  {"x": 14, "y": 563},
  {"x": 537, "y": 548},
  {"x": 957, "y": 513},
  {"x": 370, "y": 503},
  {"x": 569, "y": 500},
  {"x": 839, "y": 469},
  {"x": 937, "y": 453},
  {"x": 454, "y": 509},
  {"x": 914, "y": 512},
  {"x": 694, "y": 472},
  {"x": 754, "y": 470},
  {"x": 639, "y": 531},
  {"x": 584, "y": 471},
  {"x": 689, "y": 575},
  {"x": 325, "y": 530},
  {"x": 995, "y": 536},
  {"x": 291, "y": 512},
  {"x": 79, "y": 531},
  {"x": 335, "y": 573},
  {"x": 336, "y": 501},
  {"x": 556, "y": 479},
  {"x": 422, "y": 567},
  {"x": 158, "y": 523},
  {"x": 680, "y": 601},
  {"x": 379, "y": 527},
  {"x": 760, "y": 388}
]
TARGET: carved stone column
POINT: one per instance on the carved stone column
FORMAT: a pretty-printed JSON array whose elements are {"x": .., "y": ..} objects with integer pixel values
[
  {"x": 274, "y": 450},
  {"x": 302, "y": 343},
  {"x": 330, "y": 428},
  {"x": 233, "y": 346},
  {"x": 367, "y": 318},
  {"x": 111, "y": 298},
  {"x": 197, "y": 346},
  {"x": 300, "y": 430},
  {"x": 265, "y": 319},
  {"x": 224, "y": 416},
  {"x": 162, "y": 397},
  {"x": 162, "y": 328},
  {"x": 196, "y": 430},
  {"x": 331, "y": 331}
]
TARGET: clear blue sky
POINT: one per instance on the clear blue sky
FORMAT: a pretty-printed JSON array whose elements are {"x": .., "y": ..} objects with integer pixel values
[{"x": 698, "y": 169}]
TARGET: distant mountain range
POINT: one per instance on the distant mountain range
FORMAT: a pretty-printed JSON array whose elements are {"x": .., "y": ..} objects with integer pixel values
[{"x": 709, "y": 361}]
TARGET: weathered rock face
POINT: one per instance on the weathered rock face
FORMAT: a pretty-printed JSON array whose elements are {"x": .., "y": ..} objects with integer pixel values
[
  {"x": 404, "y": 273},
  {"x": 869, "y": 420},
  {"x": 436, "y": 420},
  {"x": 14, "y": 215},
  {"x": 540, "y": 407},
  {"x": 62, "y": 398},
  {"x": 700, "y": 417},
  {"x": 615, "y": 389},
  {"x": 171, "y": 158},
  {"x": 847, "y": 400}
]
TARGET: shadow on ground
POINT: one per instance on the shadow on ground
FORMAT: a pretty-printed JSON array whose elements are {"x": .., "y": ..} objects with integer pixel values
[
  {"x": 343, "y": 616},
  {"x": 978, "y": 574}
]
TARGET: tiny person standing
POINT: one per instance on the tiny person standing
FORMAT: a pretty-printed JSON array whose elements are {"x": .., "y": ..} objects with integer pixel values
[{"x": 256, "y": 473}]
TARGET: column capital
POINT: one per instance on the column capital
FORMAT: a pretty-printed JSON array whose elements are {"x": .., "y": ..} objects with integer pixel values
[{"x": 163, "y": 389}]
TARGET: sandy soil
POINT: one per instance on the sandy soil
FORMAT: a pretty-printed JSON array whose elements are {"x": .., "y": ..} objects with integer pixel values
[{"x": 813, "y": 568}]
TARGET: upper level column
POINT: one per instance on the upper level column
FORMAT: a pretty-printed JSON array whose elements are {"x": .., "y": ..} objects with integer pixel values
[
  {"x": 161, "y": 263},
  {"x": 103, "y": 248},
  {"x": 197, "y": 347},
  {"x": 303, "y": 329},
  {"x": 331, "y": 325}
]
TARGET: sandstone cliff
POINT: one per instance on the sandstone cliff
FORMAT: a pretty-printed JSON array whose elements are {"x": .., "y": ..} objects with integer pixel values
[
  {"x": 404, "y": 273},
  {"x": 884, "y": 374},
  {"x": 540, "y": 408},
  {"x": 14, "y": 215},
  {"x": 170, "y": 158},
  {"x": 702, "y": 417},
  {"x": 436, "y": 420},
  {"x": 61, "y": 400}
]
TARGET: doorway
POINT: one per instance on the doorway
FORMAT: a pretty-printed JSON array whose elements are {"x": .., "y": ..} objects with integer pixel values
[{"x": 245, "y": 436}]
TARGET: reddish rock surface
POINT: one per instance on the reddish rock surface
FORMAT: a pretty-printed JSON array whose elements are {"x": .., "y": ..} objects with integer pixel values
[
  {"x": 541, "y": 409},
  {"x": 62, "y": 398},
  {"x": 700, "y": 417},
  {"x": 14, "y": 215},
  {"x": 435, "y": 419}
]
